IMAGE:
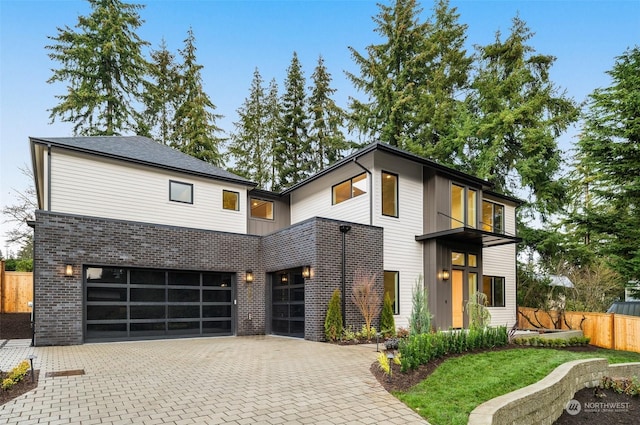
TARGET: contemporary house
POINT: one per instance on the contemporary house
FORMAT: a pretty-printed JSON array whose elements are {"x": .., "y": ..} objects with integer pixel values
[{"x": 136, "y": 240}]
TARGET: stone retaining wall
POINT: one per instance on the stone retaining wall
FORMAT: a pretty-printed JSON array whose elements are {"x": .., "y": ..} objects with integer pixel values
[{"x": 544, "y": 401}]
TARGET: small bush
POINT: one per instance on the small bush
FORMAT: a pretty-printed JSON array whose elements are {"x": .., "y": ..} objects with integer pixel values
[
  {"x": 383, "y": 362},
  {"x": 387, "y": 322},
  {"x": 391, "y": 344},
  {"x": 15, "y": 375},
  {"x": 333, "y": 321},
  {"x": 621, "y": 386}
]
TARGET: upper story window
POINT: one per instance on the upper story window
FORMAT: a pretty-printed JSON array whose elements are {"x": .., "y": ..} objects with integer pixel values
[
  {"x": 389, "y": 194},
  {"x": 463, "y": 206},
  {"x": 230, "y": 200},
  {"x": 348, "y": 189},
  {"x": 180, "y": 192},
  {"x": 492, "y": 217},
  {"x": 261, "y": 208}
]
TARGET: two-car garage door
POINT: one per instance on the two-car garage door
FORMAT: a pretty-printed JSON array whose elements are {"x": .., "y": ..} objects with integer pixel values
[{"x": 128, "y": 303}]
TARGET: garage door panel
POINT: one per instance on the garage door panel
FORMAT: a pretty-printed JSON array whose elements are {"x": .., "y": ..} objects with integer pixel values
[{"x": 287, "y": 303}]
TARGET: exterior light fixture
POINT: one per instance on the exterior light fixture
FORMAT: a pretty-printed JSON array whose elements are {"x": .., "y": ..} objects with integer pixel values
[
  {"x": 444, "y": 275},
  {"x": 306, "y": 272},
  {"x": 284, "y": 278},
  {"x": 249, "y": 276},
  {"x": 68, "y": 270}
]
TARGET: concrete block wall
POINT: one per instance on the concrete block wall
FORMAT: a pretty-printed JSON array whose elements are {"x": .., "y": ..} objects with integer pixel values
[
  {"x": 543, "y": 402},
  {"x": 62, "y": 239}
]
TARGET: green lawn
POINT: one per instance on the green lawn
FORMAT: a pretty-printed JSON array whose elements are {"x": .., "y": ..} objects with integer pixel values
[{"x": 458, "y": 385}]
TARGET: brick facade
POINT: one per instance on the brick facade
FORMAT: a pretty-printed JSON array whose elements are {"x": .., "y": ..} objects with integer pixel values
[{"x": 62, "y": 239}]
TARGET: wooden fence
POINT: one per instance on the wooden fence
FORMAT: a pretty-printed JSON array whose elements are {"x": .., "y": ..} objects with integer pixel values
[
  {"x": 607, "y": 330},
  {"x": 16, "y": 290}
]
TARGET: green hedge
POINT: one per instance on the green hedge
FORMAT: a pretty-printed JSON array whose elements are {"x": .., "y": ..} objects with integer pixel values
[{"x": 422, "y": 348}]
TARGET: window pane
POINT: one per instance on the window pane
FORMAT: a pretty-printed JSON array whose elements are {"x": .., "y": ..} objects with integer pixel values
[
  {"x": 487, "y": 283},
  {"x": 457, "y": 206},
  {"x": 184, "y": 278},
  {"x": 148, "y": 312},
  {"x": 498, "y": 219},
  {"x": 471, "y": 208},
  {"x": 106, "y": 312},
  {"x": 391, "y": 287},
  {"x": 457, "y": 258},
  {"x": 222, "y": 280},
  {"x": 216, "y": 296},
  {"x": 473, "y": 260},
  {"x": 147, "y": 277},
  {"x": 389, "y": 194},
  {"x": 106, "y": 294},
  {"x": 473, "y": 284},
  {"x": 359, "y": 185},
  {"x": 487, "y": 216},
  {"x": 106, "y": 275},
  {"x": 498, "y": 292},
  {"x": 230, "y": 200},
  {"x": 147, "y": 295},
  {"x": 184, "y": 295},
  {"x": 180, "y": 192},
  {"x": 342, "y": 192},
  {"x": 261, "y": 209}
]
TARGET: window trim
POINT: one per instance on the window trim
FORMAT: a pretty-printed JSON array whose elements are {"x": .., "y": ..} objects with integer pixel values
[
  {"x": 464, "y": 223},
  {"x": 171, "y": 182},
  {"x": 396, "y": 301},
  {"x": 350, "y": 180},
  {"x": 492, "y": 225},
  {"x": 237, "y": 204},
  {"x": 397, "y": 200},
  {"x": 273, "y": 207}
]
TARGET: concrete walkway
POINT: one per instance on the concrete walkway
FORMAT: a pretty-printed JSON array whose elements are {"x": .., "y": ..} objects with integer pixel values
[{"x": 233, "y": 380}]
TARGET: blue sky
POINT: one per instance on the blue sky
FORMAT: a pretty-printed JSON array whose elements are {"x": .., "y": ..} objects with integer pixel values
[{"x": 235, "y": 37}]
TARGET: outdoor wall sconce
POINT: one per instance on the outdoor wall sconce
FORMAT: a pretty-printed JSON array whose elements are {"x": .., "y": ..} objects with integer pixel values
[
  {"x": 249, "y": 276},
  {"x": 284, "y": 278},
  {"x": 444, "y": 275},
  {"x": 306, "y": 272},
  {"x": 68, "y": 270}
]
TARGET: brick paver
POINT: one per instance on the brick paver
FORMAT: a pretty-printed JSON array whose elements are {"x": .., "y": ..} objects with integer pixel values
[{"x": 229, "y": 380}]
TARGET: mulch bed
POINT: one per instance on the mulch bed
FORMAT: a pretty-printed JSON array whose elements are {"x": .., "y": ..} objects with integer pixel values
[
  {"x": 18, "y": 389},
  {"x": 15, "y": 326},
  {"x": 612, "y": 408}
]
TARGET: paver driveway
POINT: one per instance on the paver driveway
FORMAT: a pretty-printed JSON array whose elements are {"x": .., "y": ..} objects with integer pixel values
[{"x": 237, "y": 380}]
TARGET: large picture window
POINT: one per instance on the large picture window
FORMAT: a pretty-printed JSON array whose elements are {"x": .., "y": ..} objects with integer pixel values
[
  {"x": 492, "y": 217},
  {"x": 261, "y": 208},
  {"x": 493, "y": 288},
  {"x": 463, "y": 207},
  {"x": 389, "y": 194},
  {"x": 392, "y": 287},
  {"x": 230, "y": 200},
  {"x": 180, "y": 192},
  {"x": 348, "y": 189}
]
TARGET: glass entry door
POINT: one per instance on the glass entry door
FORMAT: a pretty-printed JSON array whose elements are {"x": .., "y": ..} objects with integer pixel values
[{"x": 457, "y": 296}]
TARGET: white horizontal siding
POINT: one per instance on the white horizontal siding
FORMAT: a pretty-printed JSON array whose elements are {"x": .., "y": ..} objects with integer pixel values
[
  {"x": 88, "y": 185},
  {"x": 315, "y": 198},
  {"x": 501, "y": 261},
  {"x": 401, "y": 251}
]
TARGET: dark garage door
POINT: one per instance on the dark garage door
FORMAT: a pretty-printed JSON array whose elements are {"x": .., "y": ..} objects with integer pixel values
[
  {"x": 123, "y": 303},
  {"x": 287, "y": 312}
]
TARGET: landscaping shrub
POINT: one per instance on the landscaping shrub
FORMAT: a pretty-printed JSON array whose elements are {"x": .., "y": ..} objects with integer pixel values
[
  {"x": 366, "y": 299},
  {"x": 16, "y": 375},
  {"x": 420, "y": 349},
  {"x": 387, "y": 322},
  {"x": 333, "y": 321},
  {"x": 536, "y": 341},
  {"x": 420, "y": 318}
]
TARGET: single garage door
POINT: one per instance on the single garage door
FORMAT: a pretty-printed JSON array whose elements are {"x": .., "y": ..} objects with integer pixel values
[
  {"x": 287, "y": 312},
  {"x": 129, "y": 304}
]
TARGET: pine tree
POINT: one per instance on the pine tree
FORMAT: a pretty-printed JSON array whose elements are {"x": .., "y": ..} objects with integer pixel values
[
  {"x": 519, "y": 114},
  {"x": 160, "y": 96},
  {"x": 325, "y": 135},
  {"x": 102, "y": 66},
  {"x": 272, "y": 127},
  {"x": 333, "y": 320},
  {"x": 195, "y": 121},
  {"x": 293, "y": 149},
  {"x": 391, "y": 75},
  {"x": 387, "y": 322},
  {"x": 608, "y": 168},
  {"x": 250, "y": 147}
]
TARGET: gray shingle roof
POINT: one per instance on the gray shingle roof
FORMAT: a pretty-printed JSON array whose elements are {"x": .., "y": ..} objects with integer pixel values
[
  {"x": 142, "y": 150},
  {"x": 629, "y": 308}
]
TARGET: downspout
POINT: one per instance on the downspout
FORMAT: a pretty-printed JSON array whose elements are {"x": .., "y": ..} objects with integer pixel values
[
  {"x": 32, "y": 224},
  {"x": 49, "y": 177},
  {"x": 355, "y": 161},
  {"x": 344, "y": 229}
]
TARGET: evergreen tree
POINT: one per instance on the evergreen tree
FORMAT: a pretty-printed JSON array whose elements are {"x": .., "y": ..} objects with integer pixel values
[
  {"x": 326, "y": 138},
  {"x": 608, "y": 168},
  {"x": 250, "y": 147},
  {"x": 102, "y": 66},
  {"x": 293, "y": 150},
  {"x": 195, "y": 121},
  {"x": 333, "y": 320},
  {"x": 420, "y": 317},
  {"x": 160, "y": 96},
  {"x": 519, "y": 113},
  {"x": 272, "y": 127},
  {"x": 391, "y": 75},
  {"x": 387, "y": 322}
]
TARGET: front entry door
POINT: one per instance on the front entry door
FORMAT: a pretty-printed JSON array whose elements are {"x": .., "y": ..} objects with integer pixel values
[{"x": 457, "y": 287}]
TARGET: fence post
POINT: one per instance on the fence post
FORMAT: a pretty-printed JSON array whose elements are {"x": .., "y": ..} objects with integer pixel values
[
  {"x": 1, "y": 285},
  {"x": 614, "y": 343}
]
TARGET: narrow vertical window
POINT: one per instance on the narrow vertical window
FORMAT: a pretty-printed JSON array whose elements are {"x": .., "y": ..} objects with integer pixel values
[
  {"x": 389, "y": 194},
  {"x": 457, "y": 206},
  {"x": 471, "y": 208},
  {"x": 230, "y": 200},
  {"x": 392, "y": 287},
  {"x": 180, "y": 192},
  {"x": 492, "y": 217}
]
